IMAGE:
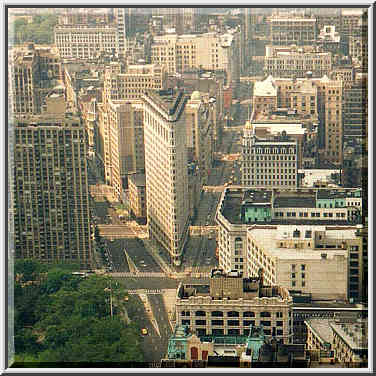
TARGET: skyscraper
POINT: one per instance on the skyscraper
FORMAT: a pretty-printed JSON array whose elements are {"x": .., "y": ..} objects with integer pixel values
[
  {"x": 166, "y": 170},
  {"x": 51, "y": 202}
]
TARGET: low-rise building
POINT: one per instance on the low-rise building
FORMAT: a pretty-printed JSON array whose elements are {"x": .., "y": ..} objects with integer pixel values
[
  {"x": 231, "y": 304},
  {"x": 277, "y": 214}
]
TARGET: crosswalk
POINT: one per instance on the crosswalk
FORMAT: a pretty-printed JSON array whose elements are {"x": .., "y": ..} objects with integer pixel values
[
  {"x": 144, "y": 291},
  {"x": 138, "y": 275}
]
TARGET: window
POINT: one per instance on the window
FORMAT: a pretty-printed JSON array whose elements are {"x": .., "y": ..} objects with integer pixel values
[
  {"x": 200, "y": 322},
  {"x": 217, "y": 322},
  {"x": 265, "y": 314},
  {"x": 303, "y": 275},
  {"x": 265, "y": 323},
  {"x": 248, "y": 322},
  {"x": 293, "y": 283},
  {"x": 292, "y": 275},
  {"x": 233, "y": 314},
  {"x": 279, "y": 314},
  {"x": 279, "y": 332},
  {"x": 249, "y": 314},
  {"x": 217, "y": 314},
  {"x": 302, "y": 267},
  {"x": 233, "y": 322},
  {"x": 186, "y": 322},
  {"x": 200, "y": 313}
]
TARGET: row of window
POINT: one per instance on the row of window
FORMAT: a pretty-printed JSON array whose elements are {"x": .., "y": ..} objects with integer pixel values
[
  {"x": 230, "y": 322},
  {"x": 232, "y": 313}
]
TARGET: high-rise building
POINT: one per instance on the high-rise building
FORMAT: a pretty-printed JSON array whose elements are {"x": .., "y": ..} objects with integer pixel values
[
  {"x": 33, "y": 72},
  {"x": 51, "y": 202},
  {"x": 166, "y": 167},
  {"x": 121, "y": 141}
]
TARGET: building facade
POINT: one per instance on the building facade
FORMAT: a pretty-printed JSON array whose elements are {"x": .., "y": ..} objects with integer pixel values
[
  {"x": 33, "y": 72},
  {"x": 231, "y": 304},
  {"x": 51, "y": 196},
  {"x": 289, "y": 62},
  {"x": 268, "y": 162}
]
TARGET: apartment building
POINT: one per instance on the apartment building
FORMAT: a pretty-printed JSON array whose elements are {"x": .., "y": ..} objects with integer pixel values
[
  {"x": 230, "y": 305},
  {"x": 350, "y": 343},
  {"x": 51, "y": 201},
  {"x": 209, "y": 51},
  {"x": 34, "y": 71},
  {"x": 289, "y": 62},
  {"x": 166, "y": 167},
  {"x": 287, "y": 30},
  {"x": 329, "y": 39},
  {"x": 131, "y": 82},
  {"x": 268, "y": 161},
  {"x": 121, "y": 141},
  {"x": 241, "y": 207}
]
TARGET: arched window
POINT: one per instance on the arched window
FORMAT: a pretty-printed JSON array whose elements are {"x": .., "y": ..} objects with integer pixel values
[
  {"x": 232, "y": 314},
  {"x": 217, "y": 314}
]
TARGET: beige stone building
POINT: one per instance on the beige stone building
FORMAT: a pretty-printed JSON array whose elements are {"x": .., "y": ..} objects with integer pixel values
[
  {"x": 85, "y": 41},
  {"x": 210, "y": 51},
  {"x": 289, "y": 62},
  {"x": 121, "y": 141},
  {"x": 230, "y": 304},
  {"x": 166, "y": 167},
  {"x": 358, "y": 49},
  {"x": 128, "y": 83}
]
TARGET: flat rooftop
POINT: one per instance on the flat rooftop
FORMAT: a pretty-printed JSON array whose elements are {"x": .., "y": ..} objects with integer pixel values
[
  {"x": 321, "y": 328},
  {"x": 269, "y": 238},
  {"x": 295, "y": 202}
]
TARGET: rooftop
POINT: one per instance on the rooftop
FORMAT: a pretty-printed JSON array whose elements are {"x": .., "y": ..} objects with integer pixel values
[
  {"x": 172, "y": 102},
  {"x": 269, "y": 238},
  {"x": 295, "y": 202},
  {"x": 265, "y": 88},
  {"x": 354, "y": 334},
  {"x": 321, "y": 328}
]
